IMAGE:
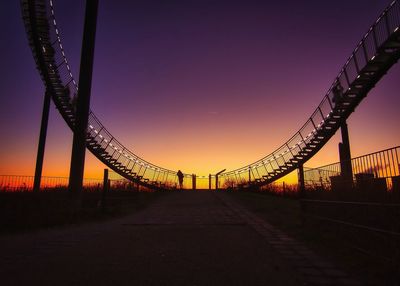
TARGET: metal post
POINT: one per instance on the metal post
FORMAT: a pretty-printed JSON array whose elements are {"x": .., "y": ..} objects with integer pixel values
[
  {"x": 42, "y": 142},
  {"x": 302, "y": 194},
  {"x": 194, "y": 181},
  {"x": 216, "y": 178},
  {"x": 105, "y": 189},
  {"x": 302, "y": 186},
  {"x": 345, "y": 155},
  {"x": 209, "y": 181},
  {"x": 83, "y": 101}
]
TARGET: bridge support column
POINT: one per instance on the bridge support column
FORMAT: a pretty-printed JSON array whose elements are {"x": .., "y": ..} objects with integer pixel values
[
  {"x": 83, "y": 102},
  {"x": 345, "y": 156},
  {"x": 42, "y": 142}
]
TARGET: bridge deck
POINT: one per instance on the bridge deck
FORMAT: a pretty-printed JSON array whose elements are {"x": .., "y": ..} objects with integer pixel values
[{"x": 184, "y": 238}]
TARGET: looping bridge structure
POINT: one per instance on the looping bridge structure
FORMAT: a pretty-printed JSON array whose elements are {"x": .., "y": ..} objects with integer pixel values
[{"x": 374, "y": 55}]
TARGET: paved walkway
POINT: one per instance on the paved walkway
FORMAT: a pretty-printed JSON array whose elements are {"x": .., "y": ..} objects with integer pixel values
[{"x": 186, "y": 238}]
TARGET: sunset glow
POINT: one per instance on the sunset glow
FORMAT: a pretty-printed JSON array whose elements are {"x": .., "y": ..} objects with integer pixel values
[{"x": 200, "y": 86}]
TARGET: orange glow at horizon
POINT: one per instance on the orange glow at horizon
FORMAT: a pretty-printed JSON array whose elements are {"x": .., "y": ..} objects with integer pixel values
[
  {"x": 203, "y": 151},
  {"x": 207, "y": 152},
  {"x": 196, "y": 98}
]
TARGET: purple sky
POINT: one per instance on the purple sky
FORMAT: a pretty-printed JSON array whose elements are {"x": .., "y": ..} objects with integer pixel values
[{"x": 197, "y": 85}]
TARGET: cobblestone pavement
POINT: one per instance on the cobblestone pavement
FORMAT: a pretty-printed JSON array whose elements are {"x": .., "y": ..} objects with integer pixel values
[{"x": 184, "y": 238}]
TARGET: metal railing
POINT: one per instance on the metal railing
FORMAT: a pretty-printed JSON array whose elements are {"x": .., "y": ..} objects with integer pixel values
[
  {"x": 364, "y": 53},
  {"x": 21, "y": 183},
  {"x": 376, "y": 170},
  {"x": 364, "y": 208},
  {"x": 57, "y": 75},
  {"x": 17, "y": 183}
]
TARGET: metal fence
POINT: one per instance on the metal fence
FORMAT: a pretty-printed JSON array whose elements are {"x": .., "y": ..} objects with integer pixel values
[
  {"x": 273, "y": 166},
  {"x": 365, "y": 209},
  {"x": 280, "y": 161},
  {"x": 379, "y": 170},
  {"x": 20, "y": 183},
  {"x": 16, "y": 183}
]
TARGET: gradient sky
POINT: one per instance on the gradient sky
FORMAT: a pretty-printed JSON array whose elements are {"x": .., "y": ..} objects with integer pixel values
[{"x": 198, "y": 85}]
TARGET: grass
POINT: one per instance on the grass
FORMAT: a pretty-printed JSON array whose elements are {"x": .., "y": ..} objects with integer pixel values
[
  {"x": 335, "y": 242},
  {"x": 27, "y": 211}
]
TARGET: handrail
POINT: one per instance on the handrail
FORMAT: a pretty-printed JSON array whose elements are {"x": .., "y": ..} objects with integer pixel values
[
  {"x": 56, "y": 72},
  {"x": 57, "y": 75},
  {"x": 354, "y": 158},
  {"x": 279, "y": 152}
]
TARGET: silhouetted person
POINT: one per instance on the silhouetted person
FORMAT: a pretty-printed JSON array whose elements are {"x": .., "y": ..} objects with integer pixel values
[
  {"x": 337, "y": 93},
  {"x": 180, "y": 178}
]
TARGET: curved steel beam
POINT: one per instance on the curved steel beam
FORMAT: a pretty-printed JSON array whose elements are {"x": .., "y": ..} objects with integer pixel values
[{"x": 375, "y": 54}]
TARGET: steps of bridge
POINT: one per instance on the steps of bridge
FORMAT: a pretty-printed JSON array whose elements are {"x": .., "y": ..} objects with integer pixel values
[
  {"x": 102, "y": 152},
  {"x": 95, "y": 147},
  {"x": 392, "y": 44}
]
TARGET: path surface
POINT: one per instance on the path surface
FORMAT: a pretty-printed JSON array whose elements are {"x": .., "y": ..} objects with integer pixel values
[{"x": 187, "y": 238}]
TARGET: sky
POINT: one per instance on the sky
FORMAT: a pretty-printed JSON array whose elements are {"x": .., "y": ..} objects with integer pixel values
[{"x": 197, "y": 85}]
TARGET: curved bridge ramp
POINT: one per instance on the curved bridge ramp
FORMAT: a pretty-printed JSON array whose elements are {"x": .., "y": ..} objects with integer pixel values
[
  {"x": 47, "y": 48},
  {"x": 374, "y": 55}
]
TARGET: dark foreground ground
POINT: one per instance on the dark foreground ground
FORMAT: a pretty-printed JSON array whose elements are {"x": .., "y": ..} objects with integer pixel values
[
  {"x": 28, "y": 211},
  {"x": 369, "y": 256},
  {"x": 180, "y": 238}
]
